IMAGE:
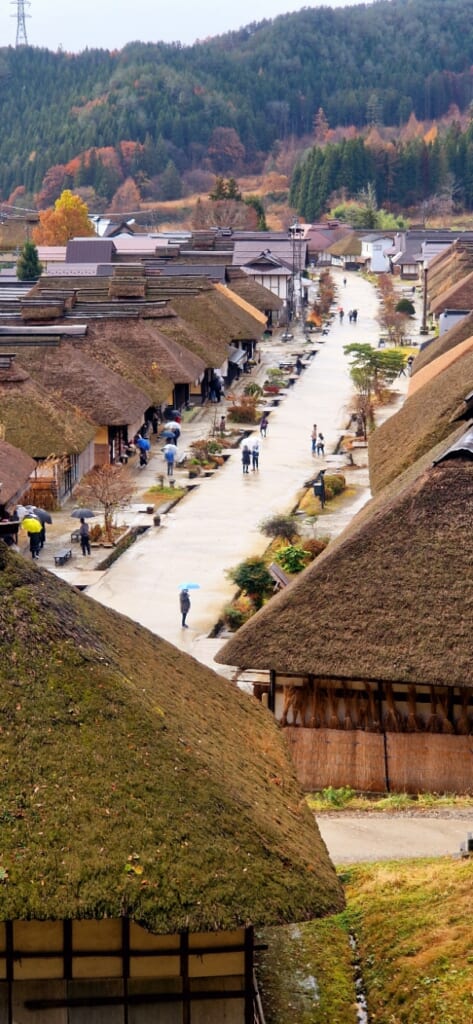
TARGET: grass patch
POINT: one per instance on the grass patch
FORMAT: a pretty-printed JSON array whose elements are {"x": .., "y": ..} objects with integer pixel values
[
  {"x": 299, "y": 982},
  {"x": 159, "y": 495},
  {"x": 331, "y": 799},
  {"x": 413, "y": 926}
]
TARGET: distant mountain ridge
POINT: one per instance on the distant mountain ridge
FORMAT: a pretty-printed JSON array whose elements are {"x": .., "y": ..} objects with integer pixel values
[{"x": 222, "y": 105}]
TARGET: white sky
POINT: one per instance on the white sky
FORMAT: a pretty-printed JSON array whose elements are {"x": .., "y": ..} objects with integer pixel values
[{"x": 110, "y": 24}]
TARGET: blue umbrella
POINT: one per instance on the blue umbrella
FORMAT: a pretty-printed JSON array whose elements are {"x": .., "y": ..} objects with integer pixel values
[
  {"x": 167, "y": 433},
  {"x": 189, "y": 586},
  {"x": 143, "y": 444}
]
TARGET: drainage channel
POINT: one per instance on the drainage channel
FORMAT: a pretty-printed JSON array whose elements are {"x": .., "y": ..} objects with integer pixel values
[{"x": 361, "y": 1004}]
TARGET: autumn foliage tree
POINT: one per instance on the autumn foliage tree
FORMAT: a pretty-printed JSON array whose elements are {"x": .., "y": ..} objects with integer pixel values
[
  {"x": 107, "y": 486},
  {"x": 68, "y": 219}
]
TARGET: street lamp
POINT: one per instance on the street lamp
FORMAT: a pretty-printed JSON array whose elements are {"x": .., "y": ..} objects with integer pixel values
[{"x": 296, "y": 233}]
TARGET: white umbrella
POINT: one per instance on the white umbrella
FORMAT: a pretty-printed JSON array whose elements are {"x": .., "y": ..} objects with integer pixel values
[
  {"x": 172, "y": 425},
  {"x": 171, "y": 448}
]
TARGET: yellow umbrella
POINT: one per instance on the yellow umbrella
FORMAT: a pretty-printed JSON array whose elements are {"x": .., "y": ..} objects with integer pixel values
[{"x": 31, "y": 525}]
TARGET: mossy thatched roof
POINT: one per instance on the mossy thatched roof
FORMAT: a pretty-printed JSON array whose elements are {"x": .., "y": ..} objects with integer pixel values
[
  {"x": 15, "y": 471},
  {"x": 102, "y": 395},
  {"x": 426, "y": 418},
  {"x": 390, "y": 600},
  {"x": 38, "y": 421},
  {"x": 136, "y": 781}
]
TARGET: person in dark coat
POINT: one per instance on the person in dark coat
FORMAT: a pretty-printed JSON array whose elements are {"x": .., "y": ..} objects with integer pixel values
[
  {"x": 185, "y": 603},
  {"x": 84, "y": 537},
  {"x": 35, "y": 544},
  {"x": 263, "y": 425}
]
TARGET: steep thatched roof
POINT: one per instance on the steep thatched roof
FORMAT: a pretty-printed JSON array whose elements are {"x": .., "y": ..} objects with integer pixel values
[
  {"x": 118, "y": 751},
  {"x": 215, "y": 316},
  {"x": 40, "y": 422},
  {"x": 15, "y": 470},
  {"x": 102, "y": 395},
  {"x": 390, "y": 600},
  {"x": 426, "y": 418},
  {"x": 458, "y": 296},
  {"x": 247, "y": 288},
  {"x": 448, "y": 268},
  {"x": 458, "y": 333},
  {"x": 131, "y": 349}
]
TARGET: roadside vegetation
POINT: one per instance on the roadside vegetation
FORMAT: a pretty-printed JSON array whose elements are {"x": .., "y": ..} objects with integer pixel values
[
  {"x": 406, "y": 930},
  {"x": 345, "y": 798}
]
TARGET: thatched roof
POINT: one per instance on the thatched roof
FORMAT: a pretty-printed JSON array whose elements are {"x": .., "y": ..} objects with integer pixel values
[
  {"x": 426, "y": 418},
  {"x": 247, "y": 288},
  {"x": 390, "y": 600},
  {"x": 350, "y": 245},
  {"x": 208, "y": 310},
  {"x": 460, "y": 331},
  {"x": 448, "y": 268},
  {"x": 117, "y": 750},
  {"x": 102, "y": 395},
  {"x": 38, "y": 421},
  {"x": 15, "y": 470},
  {"x": 458, "y": 296},
  {"x": 131, "y": 349}
]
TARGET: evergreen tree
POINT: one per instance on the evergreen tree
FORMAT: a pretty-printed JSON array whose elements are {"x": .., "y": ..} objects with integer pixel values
[{"x": 28, "y": 266}]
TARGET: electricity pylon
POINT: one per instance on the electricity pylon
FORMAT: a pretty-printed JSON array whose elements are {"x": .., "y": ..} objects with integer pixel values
[{"x": 21, "y": 37}]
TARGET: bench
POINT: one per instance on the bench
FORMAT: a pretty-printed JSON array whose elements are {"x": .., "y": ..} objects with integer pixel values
[
  {"x": 280, "y": 578},
  {"x": 63, "y": 556}
]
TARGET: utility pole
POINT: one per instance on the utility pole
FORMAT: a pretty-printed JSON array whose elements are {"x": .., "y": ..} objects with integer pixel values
[{"x": 21, "y": 37}]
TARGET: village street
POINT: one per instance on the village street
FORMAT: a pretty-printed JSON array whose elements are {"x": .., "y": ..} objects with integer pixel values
[{"x": 216, "y": 525}]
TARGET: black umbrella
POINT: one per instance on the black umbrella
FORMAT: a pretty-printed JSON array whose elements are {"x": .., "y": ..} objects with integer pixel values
[
  {"x": 40, "y": 513},
  {"x": 83, "y": 513}
]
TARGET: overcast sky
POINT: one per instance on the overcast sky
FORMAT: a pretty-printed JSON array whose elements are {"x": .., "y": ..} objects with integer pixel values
[{"x": 110, "y": 24}]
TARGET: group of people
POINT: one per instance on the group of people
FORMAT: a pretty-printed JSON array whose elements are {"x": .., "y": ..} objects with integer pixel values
[
  {"x": 317, "y": 441},
  {"x": 250, "y": 457}
]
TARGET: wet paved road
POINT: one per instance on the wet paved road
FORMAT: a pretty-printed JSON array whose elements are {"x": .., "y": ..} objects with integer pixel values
[{"x": 216, "y": 526}]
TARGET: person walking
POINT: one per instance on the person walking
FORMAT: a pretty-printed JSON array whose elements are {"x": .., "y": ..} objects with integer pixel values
[
  {"x": 222, "y": 425},
  {"x": 341, "y": 314},
  {"x": 185, "y": 603},
  {"x": 35, "y": 546},
  {"x": 313, "y": 437},
  {"x": 84, "y": 537},
  {"x": 169, "y": 457},
  {"x": 255, "y": 455},
  {"x": 320, "y": 444},
  {"x": 246, "y": 458},
  {"x": 263, "y": 425}
]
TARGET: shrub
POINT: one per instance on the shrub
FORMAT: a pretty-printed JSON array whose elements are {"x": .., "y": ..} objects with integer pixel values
[
  {"x": 253, "y": 577},
  {"x": 280, "y": 525},
  {"x": 292, "y": 559},
  {"x": 405, "y": 306},
  {"x": 315, "y": 546},
  {"x": 244, "y": 411},
  {"x": 335, "y": 483},
  {"x": 338, "y": 797},
  {"x": 253, "y": 389},
  {"x": 238, "y": 612}
]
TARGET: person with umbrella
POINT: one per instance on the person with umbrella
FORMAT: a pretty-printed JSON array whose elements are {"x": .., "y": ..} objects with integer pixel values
[
  {"x": 169, "y": 455},
  {"x": 185, "y": 604},
  {"x": 33, "y": 528},
  {"x": 143, "y": 446},
  {"x": 84, "y": 536}
]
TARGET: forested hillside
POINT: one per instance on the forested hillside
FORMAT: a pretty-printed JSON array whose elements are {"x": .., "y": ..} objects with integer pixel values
[{"x": 143, "y": 117}]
